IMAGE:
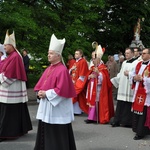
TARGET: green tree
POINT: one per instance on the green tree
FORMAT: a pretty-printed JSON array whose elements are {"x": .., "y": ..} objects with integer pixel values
[
  {"x": 108, "y": 22},
  {"x": 120, "y": 18}
]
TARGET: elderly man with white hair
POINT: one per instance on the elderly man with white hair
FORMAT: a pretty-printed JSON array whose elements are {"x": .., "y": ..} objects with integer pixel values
[{"x": 55, "y": 112}]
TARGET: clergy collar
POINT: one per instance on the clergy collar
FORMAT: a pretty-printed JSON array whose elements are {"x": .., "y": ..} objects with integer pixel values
[
  {"x": 136, "y": 57},
  {"x": 145, "y": 62},
  {"x": 130, "y": 60},
  {"x": 78, "y": 59}
]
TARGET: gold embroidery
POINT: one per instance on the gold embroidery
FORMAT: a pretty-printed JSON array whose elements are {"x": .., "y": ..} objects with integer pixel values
[{"x": 146, "y": 72}]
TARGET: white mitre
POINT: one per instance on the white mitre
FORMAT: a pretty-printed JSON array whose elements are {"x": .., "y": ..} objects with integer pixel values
[
  {"x": 56, "y": 45},
  {"x": 10, "y": 39}
]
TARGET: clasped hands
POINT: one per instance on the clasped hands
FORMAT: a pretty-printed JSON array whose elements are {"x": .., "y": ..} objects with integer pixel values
[
  {"x": 96, "y": 70},
  {"x": 138, "y": 78},
  {"x": 73, "y": 67},
  {"x": 94, "y": 74},
  {"x": 126, "y": 73},
  {"x": 41, "y": 94}
]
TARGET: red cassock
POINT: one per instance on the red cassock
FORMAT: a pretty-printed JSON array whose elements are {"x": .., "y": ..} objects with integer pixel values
[
  {"x": 106, "y": 106},
  {"x": 79, "y": 78}
]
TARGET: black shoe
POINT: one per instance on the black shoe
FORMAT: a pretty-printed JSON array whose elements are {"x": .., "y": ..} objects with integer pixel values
[
  {"x": 2, "y": 139},
  {"x": 126, "y": 126},
  {"x": 77, "y": 114},
  {"x": 137, "y": 137},
  {"x": 113, "y": 124},
  {"x": 89, "y": 121}
]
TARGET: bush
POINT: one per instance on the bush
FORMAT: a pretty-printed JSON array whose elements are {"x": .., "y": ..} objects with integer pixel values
[{"x": 33, "y": 79}]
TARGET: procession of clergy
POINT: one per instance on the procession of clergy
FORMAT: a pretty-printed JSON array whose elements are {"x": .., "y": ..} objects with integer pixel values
[
  {"x": 81, "y": 88},
  {"x": 94, "y": 88}
]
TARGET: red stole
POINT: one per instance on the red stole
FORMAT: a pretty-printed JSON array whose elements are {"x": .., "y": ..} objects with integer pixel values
[
  {"x": 91, "y": 92},
  {"x": 140, "y": 97},
  {"x": 139, "y": 101}
]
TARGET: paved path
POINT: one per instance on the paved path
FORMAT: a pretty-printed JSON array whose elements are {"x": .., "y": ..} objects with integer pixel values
[
  {"x": 87, "y": 136},
  {"x": 31, "y": 94}
]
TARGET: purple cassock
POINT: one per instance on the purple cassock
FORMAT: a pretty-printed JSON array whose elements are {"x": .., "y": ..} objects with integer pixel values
[
  {"x": 58, "y": 78},
  {"x": 55, "y": 129}
]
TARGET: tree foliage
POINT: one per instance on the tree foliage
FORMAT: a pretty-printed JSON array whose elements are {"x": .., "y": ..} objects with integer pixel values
[
  {"x": 120, "y": 18},
  {"x": 108, "y": 22}
]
